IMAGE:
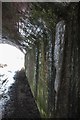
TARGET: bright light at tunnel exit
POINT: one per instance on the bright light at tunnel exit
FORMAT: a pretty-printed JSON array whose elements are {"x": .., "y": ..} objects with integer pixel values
[{"x": 11, "y": 56}]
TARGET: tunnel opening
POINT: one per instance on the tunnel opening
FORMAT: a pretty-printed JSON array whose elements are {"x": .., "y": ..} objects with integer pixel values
[
  {"x": 11, "y": 60},
  {"x": 11, "y": 56}
]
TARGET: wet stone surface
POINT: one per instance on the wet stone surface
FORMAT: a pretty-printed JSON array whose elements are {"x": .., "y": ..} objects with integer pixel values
[{"x": 18, "y": 101}]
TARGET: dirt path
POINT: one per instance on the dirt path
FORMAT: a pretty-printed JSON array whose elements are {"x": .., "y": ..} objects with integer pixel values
[{"x": 21, "y": 103}]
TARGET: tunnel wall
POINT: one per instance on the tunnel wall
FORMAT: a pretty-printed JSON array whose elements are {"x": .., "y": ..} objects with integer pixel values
[{"x": 41, "y": 71}]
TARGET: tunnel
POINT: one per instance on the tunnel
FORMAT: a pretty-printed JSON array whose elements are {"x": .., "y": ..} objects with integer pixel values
[
  {"x": 47, "y": 35},
  {"x": 16, "y": 98}
]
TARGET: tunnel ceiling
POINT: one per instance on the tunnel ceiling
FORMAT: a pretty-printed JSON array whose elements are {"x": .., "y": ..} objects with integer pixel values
[
  {"x": 22, "y": 26},
  {"x": 11, "y": 15}
]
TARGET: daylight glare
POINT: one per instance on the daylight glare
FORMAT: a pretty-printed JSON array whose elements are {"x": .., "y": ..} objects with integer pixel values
[{"x": 11, "y": 56}]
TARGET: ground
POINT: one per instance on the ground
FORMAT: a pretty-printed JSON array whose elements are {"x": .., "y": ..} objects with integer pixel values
[{"x": 21, "y": 103}]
